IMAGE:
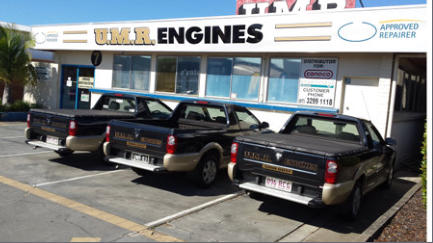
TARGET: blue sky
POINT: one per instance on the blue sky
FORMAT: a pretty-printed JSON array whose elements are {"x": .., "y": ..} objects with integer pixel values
[{"x": 29, "y": 12}]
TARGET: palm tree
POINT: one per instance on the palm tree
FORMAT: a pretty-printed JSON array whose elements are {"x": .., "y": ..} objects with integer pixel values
[{"x": 15, "y": 66}]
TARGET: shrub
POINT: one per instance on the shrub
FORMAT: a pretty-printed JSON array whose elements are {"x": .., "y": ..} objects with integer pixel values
[
  {"x": 18, "y": 106},
  {"x": 424, "y": 166}
]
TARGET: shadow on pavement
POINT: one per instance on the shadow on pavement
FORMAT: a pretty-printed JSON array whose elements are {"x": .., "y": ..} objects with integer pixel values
[
  {"x": 84, "y": 161},
  {"x": 375, "y": 203},
  {"x": 180, "y": 183}
]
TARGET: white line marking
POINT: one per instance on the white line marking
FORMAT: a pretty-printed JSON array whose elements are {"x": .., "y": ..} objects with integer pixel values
[
  {"x": 192, "y": 210},
  {"x": 12, "y": 137},
  {"x": 23, "y": 154},
  {"x": 75, "y": 178}
]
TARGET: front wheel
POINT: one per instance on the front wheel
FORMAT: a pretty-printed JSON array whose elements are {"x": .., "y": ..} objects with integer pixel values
[
  {"x": 206, "y": 171},
  {"x": 353, "y": 203}
]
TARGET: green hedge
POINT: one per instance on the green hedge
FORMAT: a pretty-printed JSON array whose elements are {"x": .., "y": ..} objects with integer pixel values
[
  {"x": 18, "y": 106},
  {"x": 424, "y": 166}
]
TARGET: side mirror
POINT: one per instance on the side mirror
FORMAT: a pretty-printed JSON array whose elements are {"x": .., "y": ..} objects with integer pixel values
[
  {"x": 263, "y": 125},
  {"x": 390, "y": 141}
]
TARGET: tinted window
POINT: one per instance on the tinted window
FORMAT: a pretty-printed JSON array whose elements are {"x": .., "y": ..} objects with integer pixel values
[
  {"x": 247, "y": 119},
  {"x": 204, "y": 113},
  {"x": 157, "y": 109},
  {"x": 325, "y": 127},
  {"x": 116, "y": 104}
]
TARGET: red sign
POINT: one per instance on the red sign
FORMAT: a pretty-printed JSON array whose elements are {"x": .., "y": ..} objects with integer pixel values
[{"x": 282, "y": 6}]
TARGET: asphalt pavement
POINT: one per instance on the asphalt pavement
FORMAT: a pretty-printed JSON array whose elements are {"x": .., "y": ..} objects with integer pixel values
[{"x": 77, "y": 198}]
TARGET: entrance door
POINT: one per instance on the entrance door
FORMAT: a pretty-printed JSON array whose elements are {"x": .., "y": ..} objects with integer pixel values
[
  {"x": 76, "y": 82},
  {"x": 360, "y": 97}
]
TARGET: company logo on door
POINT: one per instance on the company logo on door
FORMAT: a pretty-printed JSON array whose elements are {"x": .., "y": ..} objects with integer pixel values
[{"x": 228, "y": 34}]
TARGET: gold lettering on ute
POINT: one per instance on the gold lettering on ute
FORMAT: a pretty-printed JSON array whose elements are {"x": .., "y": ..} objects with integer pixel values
[
  {"x": 278, "y": 169},
  {"x": 257, "y": 156},
  {"x": 48, "y": 129},
  {"x": 101, "y": 36},
  {"x": 121, "y": 38},
  {"x": 136, "y": 145},
  {"x": 122, "y": 135},
  {"x": 151, "y": 141},
  {"x": 142, "y": 36},
  {"x": 300, "y": 164}
]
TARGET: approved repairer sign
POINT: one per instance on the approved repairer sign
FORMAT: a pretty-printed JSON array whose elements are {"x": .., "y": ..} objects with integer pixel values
[{"x": 317, "y": 81}]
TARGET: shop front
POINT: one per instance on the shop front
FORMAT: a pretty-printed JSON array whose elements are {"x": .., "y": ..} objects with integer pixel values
[{"x": 339, "y": 61}]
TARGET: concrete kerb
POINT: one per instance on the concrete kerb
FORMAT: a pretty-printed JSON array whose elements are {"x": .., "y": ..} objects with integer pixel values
[{"x": 373, "y": 229}]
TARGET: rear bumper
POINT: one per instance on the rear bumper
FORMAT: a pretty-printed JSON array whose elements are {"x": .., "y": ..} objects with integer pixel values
[
  {"x": 170, "y": 162},
  {"x": 332, "y": 194},
  {"x": 305, "y": 200},
  {"x": 74, "y": 143}
]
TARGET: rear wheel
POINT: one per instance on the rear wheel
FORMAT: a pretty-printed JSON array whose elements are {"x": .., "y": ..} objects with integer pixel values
[
  {"x": 65, "y": 153},
  {"x": 353, "y": 203},
  {"x": 206, "y": 171}
]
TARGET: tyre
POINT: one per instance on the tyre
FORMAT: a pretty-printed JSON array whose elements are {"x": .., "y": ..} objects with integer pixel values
[
  {"x": 64, "y": 153},
  {"x": 139, "y": 171},
  {"x": 206, "y": 171},
  {"x": 353, "y": 204}
]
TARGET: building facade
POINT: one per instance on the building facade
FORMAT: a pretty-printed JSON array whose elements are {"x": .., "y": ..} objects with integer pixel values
[{"x": 362, "y": 62}]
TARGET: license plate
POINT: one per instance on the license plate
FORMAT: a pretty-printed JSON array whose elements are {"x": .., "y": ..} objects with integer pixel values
[
  {"x": 52, "y": 140},
  {"x": 278, "y": 184},
  {"x": 140, "y": 157}
]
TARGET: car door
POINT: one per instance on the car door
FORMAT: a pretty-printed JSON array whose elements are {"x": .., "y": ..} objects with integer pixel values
[
  {"x": 377, "y": 159},
  {"x": 385, "y": 153}
]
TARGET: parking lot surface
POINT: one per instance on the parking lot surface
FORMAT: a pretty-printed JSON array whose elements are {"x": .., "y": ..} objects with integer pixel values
[{"x": 48, "y": 198}]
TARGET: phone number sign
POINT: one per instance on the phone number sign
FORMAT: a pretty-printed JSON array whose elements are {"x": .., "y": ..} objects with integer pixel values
[{"x": 317, "y": 81}]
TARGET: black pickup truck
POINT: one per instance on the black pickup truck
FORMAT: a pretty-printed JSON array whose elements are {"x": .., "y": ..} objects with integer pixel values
[
  {"x": 196, "y": 138},
  {"x": 68, "y": 130},
  {"x": 316, "y": 159}
]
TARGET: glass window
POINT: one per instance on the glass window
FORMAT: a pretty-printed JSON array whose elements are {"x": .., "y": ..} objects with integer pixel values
[
  {"x": 323, "y": 127},
  {"x": 204, "y": 113},
  {"x": 188, "y": 70},
  {"x": 219, "y": 72},
  {"x": 237, "y": 78},
  {"x": 283, "y": 80},
  {"x": 178, "y": 74},
  {"x": 246, "y": 78},
  {"x": 246, "y": 119},
  {"x": 116, "y": 104},
  {"x": 131, "y": 72},
  {"x": 375, "y": 136},
  {"x": 157, "y": 109}
]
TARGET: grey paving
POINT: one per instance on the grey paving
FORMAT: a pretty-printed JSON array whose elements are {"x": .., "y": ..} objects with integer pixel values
[{"x": 26, "y": 217}]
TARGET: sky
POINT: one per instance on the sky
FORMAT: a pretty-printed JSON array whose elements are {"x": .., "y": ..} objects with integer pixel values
[{"x": 40, "y": 12}]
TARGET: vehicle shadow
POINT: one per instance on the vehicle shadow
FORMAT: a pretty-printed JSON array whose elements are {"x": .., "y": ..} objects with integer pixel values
[
  {"x": 182, "y": 184},
  {"x": 84, "y": 161},
  {"x": 375, "y": 203}
]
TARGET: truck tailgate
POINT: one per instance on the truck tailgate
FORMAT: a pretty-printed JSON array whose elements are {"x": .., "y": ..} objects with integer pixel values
[
  {"x": 127, "y": 137},
  {"x": 49, "y": 124},
  {"x": 269, "y": 161}
]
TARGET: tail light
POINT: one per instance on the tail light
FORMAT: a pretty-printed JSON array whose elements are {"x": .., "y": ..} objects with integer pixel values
[
  {"x": 28, "y": 120},
  {"x": 331, "y": 171},
  {"x": 107, "y": 133},
  {"x": 72, "y": 128},
  {"x": 234, "y": 152},
  {"x": 171, "y": 144}
]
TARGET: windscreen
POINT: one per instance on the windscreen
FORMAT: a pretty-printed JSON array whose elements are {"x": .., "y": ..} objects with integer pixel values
[{"x": 324, "y": 127}]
